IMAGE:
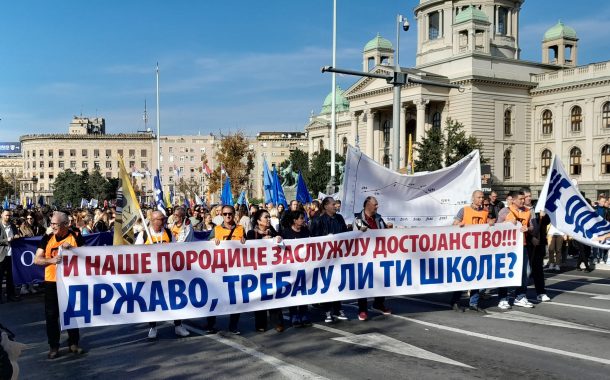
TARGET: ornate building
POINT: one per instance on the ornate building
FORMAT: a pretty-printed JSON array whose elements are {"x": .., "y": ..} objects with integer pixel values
[{"x": 523, "y": 111}]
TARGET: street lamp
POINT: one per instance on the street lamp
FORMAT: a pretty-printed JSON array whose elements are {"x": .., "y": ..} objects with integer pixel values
[{"x": 34, "y": 182}]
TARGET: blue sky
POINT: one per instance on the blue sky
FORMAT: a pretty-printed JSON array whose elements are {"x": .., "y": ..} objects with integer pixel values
[{"x": 225, "y": 65}]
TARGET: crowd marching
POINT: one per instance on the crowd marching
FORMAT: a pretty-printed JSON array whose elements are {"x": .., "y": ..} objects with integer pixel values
[{"x": 320, "y": 218}]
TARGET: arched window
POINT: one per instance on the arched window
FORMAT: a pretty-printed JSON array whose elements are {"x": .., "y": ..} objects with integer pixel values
[
  {"x": 436, "y": 120},
  {"x": 575, "y": 161},
  {"x": 606, "y": 159},
  {"x": 547, "y": 122},
  {"x": 502, "y": 27},
  {"x": 606, "y": 115},
  {"x": 576, "y": 119},
  {"x": 507, "y": 164},
  {"x": 321, "y": 146},
  {"x": 386, "y": 160},
  {"x": 508, "y": 123},
  {"x": 386, "y": 129},
  {"x": 344, "y": 146},
  {"x": 545, "y": 162}
]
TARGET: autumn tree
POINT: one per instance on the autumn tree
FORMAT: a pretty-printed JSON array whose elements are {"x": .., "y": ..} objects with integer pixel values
[{"x": 237, "y": 160}]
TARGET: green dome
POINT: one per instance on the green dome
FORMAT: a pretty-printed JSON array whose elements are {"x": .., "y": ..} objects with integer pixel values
[
  {"x": 471, "y": 13},
  {"x": 378, "y": 43},
  {"x": 341, "y": 104},
  {"x": 559, "y": 31}
]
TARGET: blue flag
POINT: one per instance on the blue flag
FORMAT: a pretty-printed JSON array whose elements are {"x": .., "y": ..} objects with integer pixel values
[
  {"x": 159, "y": 194},
  {"x": 5, "y": 204},
  {"x": 278, "y": 191},
  {"x": 226, "y": 197},
  {"x": 187, "y": 204},
  {"x": 243, "y": 200},
  {"x": 267, "y": 183},
  {"x": 303, "y": 195},
  {"x": 41, "y": 201}
]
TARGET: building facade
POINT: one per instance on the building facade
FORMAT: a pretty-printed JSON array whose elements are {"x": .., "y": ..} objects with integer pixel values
[{"x": 524, "y": 112}]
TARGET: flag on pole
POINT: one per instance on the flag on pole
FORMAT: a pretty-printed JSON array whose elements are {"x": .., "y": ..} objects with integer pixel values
[
  {"x": 267, "y": 183},
  {"x": 84, "y": 203},
  {"x": 158, "y": 189},
  {"x": 410, "y": 166},
  {"x": 93, "y": 203},
  {"x": 243, "y": 199},
  {"x": 198, "y": 200},
  {"x": 303, "y": 195},
  {"x": 187, "y": 204},
  {"x": 206, "y": 169},
  {"x": 41, "y": 201},
  {"x": 226, "y": 197},
  {"x": 222, "y": 170},
  {"x": 127, "y": 209},
  {"x": 5, "y": 204},
  {"x": 278, "y": 191}
]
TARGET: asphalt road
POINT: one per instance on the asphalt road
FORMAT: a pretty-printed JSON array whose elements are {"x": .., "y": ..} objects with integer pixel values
[{"x": 567, "y": 338}]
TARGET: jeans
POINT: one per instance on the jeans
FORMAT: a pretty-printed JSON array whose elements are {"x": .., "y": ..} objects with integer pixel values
[{"x": 522, "y": 289}]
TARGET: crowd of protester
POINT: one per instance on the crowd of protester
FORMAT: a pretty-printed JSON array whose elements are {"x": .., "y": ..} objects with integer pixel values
[{"x": 323, "y": 217}]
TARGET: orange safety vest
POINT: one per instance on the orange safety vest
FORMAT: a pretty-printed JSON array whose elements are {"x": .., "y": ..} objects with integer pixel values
[
  {"x": 165, "y": 238},
  {"x": 472, "y": 216},
  {"x": 222, "y": 233},
  {"x": 52, "y": 250},
  {"x": 522, "y": 216}
]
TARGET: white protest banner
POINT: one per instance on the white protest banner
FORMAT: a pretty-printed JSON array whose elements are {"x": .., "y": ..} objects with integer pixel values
[
  {"x": 109, "y": 285},
  {"x": 432, "y": 199},
  {"x": 568, "y": 210}
]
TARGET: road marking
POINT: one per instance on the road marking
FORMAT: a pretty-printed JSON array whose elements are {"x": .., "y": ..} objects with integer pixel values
[
  {"x": 519, "y": 316},
  {"x": 423, "y": 301},
  {"x": 577, "y": 306},
  {"x": 289, "y": 370},
  {"x": 575, "y": 281},
  {"x": 573, "y": 292},
  {"x": 579, "y": 276},
  {"x": 604, "y": 297},
  {"x": 508, "y": 341},
  {"x": 386, "y": 343}
]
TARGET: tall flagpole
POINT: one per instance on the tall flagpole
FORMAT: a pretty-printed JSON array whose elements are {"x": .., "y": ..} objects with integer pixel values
[
  {"x": 333, "y": 115},
  {"x": 158, "y": 125}
]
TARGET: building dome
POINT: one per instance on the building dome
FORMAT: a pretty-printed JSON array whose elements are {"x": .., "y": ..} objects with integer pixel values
[
  {"x": 559, "y": 31},
  {"x": 471, "y": 13},
  {"x": 341, "y": 104},
  {"x": 378, "y": 43}
]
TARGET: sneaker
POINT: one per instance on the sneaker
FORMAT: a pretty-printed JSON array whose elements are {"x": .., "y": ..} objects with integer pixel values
[
  {"x": 457, "y": 308},
  {"x": 329, "y": 317},
  {"x": 53, "y": 353},
  {"x": 363, "y": 316},
  {"x": 152, "y": 333},
  {"x": 476, "y": 308},
  {"x": 504, "y": 305},
  {"x": 211, "y": 330},
  {"x": 381, "y": 308},
  {"x": 235, "y": 331},
  {"x": 75, "y": 349},
  {"x": 543, "y": 298},
  {"x": 181, "y": 331},
  {"x": 523, "y": 302},
  {"x": 24, "y": 290},
  {"x": 305, "y": 322},
  {"x": 296, "y": 321},
  {"x": 341, "y": 315}
]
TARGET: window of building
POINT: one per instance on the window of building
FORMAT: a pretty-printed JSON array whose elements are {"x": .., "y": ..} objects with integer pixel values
[
  {"x": 436, "y": 120},
  {"x": 60, "y": 153},
  {"x": 73, "y": 165},
  {"x": 108, "y": 164},
  {"x": 606, "y": 115},
  {"x": 132, "y": 164},
  {"x": 85, "y": 152},
  {"x": 181, "y": 158},
  {"x": 85, "y": 165},
  {"x": 502, "y": 21},
  {"x": 387, "y": 127},
  {"x": 33, "y": 153},
  {"x": 605, "y": 159},
  {"x": 50, "y": 153},
  {"x": 576, "y": 119},
  {"x": 344, "y": 144},
  {"x": 132, "y": 153},
  {"x": 51, "y": 176},
  {"x": 41, "y": 175},
  {"x": 41, "y": 164},
  {"x": 386, "y": 160},
  {"x": 434, "y": 24},
  {"x": 575, "y": 161},
  {"x": 171, "y": 149},
  {"x": 508, "y": 123},
  {"x": 108, "y": 175},
  {"x": 143, "y": 153},
  {"x": 321, "y": 145},
  {"x": 96, "y": 165},
  {"x": 50, "y": 164},
  {"x": 120, "y": 152},
  {"x": 96, "y": 153},
  {"x": 545, "y": 162},
  {"x": 143, "y": 165},
  {"x": 72, "y": 152},
  {"x": 60, "y": 164},
  {"x": 33, "y": 164},
  {"x": 547, "y": 122},
  {"x": 41, "y": 152},
  {"x": 171, "y": 178},
  {"x": 507, "y": 164},
  {"x": 108, "y": 153}
]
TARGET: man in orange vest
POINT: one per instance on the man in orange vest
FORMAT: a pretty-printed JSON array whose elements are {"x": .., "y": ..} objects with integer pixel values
[
  {"x": 472, "y": 214},
  {"x": 47, "y": 255}
]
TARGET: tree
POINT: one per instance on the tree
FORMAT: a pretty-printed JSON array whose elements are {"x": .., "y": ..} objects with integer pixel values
[
  {"x": 5, "y": 187},
  {"x": 232, "y": 153},
  {"x": 430, "y": 151},
  {"x": 96, "y": 186},
  {"x": 67, "y": 188},
  {"x": 110, "y": 188},
  {"x": 458, "y": 145},
  {"x": 299, "y": 160},
  {"x": 319, "y": 173}
]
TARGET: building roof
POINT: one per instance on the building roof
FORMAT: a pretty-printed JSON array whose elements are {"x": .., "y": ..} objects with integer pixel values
[
  {"x": 378, "y": 43},
  {"x": 471, "y": 13},
  {"x": 558, "y": 31},
  {"x": 341, "y": 103}
]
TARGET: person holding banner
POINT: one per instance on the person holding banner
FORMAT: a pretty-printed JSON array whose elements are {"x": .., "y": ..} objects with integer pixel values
[
  {"x": 517, "y": 212},
  {"x": 159, "y": 235},
  {"x": 330, "y": 223},
  {"x": 48, "y": 255},
  {"x": 227, "y": 230},
  {"x": 469, "y": 215},
  {"x": 369, "y": 218}
]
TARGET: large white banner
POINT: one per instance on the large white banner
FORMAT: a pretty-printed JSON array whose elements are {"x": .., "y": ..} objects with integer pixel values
[
  {"x": 108, "y": 285},
  {"x": 568, "y": 210},
  {"x": 431, "y": 199}
]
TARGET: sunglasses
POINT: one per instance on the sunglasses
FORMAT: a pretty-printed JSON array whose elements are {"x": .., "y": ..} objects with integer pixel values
[{"x": 227, "y": 213}]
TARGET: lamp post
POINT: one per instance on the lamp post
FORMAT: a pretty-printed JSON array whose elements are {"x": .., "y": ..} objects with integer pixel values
[
  {"x": 34, "y": 182},
  {"x": 330, "y": 188}
]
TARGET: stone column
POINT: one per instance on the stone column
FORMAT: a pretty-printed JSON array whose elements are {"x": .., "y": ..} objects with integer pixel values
[
  {"x": 403, "y": 137},
  {"x": 377, "y": 140},
  {"x": 354, "y": 130},
  {"x": 421, "y": 118},
  {"x": 370, "y": 119}
]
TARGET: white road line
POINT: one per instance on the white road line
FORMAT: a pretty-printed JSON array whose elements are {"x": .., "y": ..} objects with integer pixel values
[
  {"x": 573, "y": 292},
  {"x": 519, "y": 316},
  {"x": 289, "y": 370},
  {"x": 574, "y": 281},
  {"x": 577, "y": 306},
  {"x": 509, "y": 341},
  {"x": 579, "y": 276}
]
